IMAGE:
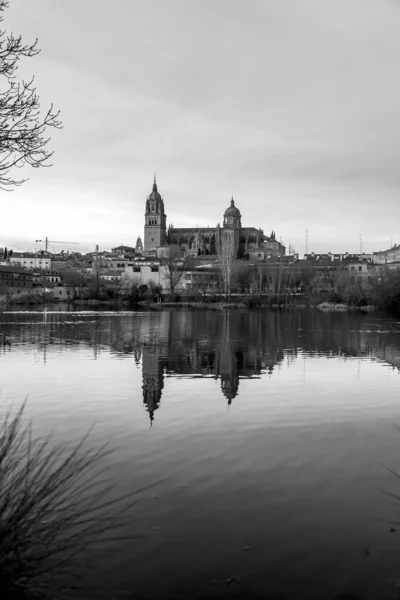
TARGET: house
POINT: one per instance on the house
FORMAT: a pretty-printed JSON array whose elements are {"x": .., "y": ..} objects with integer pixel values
[
  {"x": 125, "y": 251},
  {"x": 102, "y": 264},
  {"x": 29, "y": 260},
  {"x": 43, "y": 277},
  {"x": 14, "y": 280},
  {"x": 392, "y": 255}
]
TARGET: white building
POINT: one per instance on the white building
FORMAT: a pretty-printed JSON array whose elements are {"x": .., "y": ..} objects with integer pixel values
[
  {"x": 30, "y": 261},
  {"x": 387, "y": 256}
]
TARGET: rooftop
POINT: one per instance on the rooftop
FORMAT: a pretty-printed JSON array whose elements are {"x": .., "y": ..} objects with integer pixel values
[{"x": 7, "y": 269}]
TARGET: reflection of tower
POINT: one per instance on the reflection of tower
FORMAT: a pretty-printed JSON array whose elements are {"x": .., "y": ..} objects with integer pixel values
[
  {"x": 137, "y": 355},
  {"x": 228, "y": 363},
  {"x": 153, "y": 378}
]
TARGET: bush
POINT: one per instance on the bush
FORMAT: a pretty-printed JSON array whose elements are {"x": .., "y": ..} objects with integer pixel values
[
  {"x": 335, "y": 298},
  {"x": 29, "y": 297},
  {"x": 54, "y": 508}
]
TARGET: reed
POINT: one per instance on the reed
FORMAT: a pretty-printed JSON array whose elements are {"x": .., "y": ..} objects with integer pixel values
[{"x": 55, "y": 508}]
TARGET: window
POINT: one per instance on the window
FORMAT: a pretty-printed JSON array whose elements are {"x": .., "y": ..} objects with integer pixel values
[
  {"x": 360, "y": 268},
  {"x": 352, "y": 279},
  {"x": 136, "y": 269},
  {"x": 154, "y": 269}
]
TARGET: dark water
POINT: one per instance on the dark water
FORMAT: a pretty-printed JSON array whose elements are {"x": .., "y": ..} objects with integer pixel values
[{"x": 270, "y": 431}]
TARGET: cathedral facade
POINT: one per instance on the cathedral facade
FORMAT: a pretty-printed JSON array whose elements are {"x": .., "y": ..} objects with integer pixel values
[{"x": 203, "y": 241}]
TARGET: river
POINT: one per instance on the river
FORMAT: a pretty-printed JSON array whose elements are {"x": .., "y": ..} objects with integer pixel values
[{"x": 268, "y": 433}]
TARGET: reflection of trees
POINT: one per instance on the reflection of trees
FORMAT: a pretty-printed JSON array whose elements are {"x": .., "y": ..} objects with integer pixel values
[{"x": 227, "y": 346}]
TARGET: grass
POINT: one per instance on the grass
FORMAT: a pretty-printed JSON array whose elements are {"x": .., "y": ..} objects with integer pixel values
[{"x": 55, "y": 507}]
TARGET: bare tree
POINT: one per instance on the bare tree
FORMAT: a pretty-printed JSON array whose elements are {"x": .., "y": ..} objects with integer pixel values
[
  {"x": 226, "y": 249},
  {"x": 174, "y": 266},
  {"x": 280, "y": 279},
  {"x": 259, "y": 277},
  {"x": 22, "y": 126}
]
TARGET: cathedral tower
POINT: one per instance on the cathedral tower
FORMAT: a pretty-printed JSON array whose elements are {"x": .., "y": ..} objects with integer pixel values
[
  {"x": 229, "y": 235},
  {"x": 155, "y": 226}
]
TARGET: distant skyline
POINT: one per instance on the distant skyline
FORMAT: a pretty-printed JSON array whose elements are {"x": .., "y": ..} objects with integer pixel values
[{"x": 291, "y": 106}]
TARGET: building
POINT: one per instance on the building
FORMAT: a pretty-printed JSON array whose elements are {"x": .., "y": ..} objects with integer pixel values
[
  {"x": 139, "y": 246},
  {"x": 43, "y": 277},
  {"x": 111, "y": 275},
  {"x": 126, "y": 251},
  {"x": 331, "y": 256},
  {"x": 247, "y": 241},
  {"x": 155, "y": 227},
  {"x": 29, "y": 260},
  {"x": 103, "y": 263},
  {"x": 149, "y": 273},
  {"x": 14, "y": 280},
  {"x": 392, "y": 255},
  {"x": 59, "y": 265}
]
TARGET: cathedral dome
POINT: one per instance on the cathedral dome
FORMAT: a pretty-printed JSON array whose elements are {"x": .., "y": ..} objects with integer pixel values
[{"x": 232, "y": 211}]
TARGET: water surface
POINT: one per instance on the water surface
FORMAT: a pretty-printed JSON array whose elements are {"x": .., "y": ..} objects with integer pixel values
[{"x": 269, "y": 431}]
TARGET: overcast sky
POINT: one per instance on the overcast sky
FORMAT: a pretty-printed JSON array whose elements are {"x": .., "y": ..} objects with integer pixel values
[{"x": 291, "y": 106}]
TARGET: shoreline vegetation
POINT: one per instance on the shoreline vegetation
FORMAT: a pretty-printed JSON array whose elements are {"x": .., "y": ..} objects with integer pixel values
[
  {"x": 56, "y": 507},
  {"x": 216, "y": 305},
  {"x": 254, "y": 286},
  {"x": 155, "y": 299}
]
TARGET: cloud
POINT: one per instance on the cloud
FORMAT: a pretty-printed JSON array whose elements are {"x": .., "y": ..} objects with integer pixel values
[{"x": 290, "y": 106}]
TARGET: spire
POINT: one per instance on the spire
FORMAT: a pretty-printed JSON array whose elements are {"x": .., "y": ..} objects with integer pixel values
[
  {"x": 232, "y": 202},
  {"x": 154, "y": 184}
]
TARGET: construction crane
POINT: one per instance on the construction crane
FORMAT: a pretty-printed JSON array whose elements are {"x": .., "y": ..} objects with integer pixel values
[{"x": 46, "y": 241}]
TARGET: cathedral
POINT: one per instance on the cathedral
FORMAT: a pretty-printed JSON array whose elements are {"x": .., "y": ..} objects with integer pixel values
[{"x": 249, "y": 242}]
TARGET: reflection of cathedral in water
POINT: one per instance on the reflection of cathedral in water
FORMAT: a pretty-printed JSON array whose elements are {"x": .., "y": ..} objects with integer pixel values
[
  {"x": 185, "y": 346},
  {"x": 227, "y": 347},
  {"x": 153, "y": 378},
  {"x": 228, "y": 366}
]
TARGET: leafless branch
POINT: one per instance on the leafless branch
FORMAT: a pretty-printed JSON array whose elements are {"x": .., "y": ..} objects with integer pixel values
[{"x": 22, "y": 124}]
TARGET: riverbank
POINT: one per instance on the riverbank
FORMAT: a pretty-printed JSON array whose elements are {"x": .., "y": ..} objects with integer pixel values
[
  {"x": 246, "y": 305},
  {"x": 197, "y": 305},
  {"x": 238, "y": 304}
]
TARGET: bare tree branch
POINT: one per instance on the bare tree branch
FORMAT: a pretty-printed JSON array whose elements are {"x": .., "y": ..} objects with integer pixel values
[{"x": 22, "y": 124}]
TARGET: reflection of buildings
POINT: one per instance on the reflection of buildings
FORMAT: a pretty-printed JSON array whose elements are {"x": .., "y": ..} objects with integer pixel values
[
  {"x": 153, "y": 378},
  {"x": 228, "y": 365},
  {"x": 225, "y": 346}
]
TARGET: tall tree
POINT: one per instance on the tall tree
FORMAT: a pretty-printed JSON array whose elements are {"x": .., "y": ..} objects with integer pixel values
[
  {"x": 226, "y": 250},
  {"x": 23, "y": 127}
]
